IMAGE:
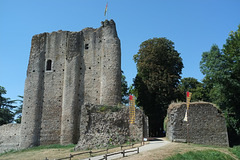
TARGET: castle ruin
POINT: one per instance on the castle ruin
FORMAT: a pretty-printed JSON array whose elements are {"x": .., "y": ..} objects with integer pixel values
[
  {"x": 205, "y": 125},
  {"x": 66, "y": 71}
]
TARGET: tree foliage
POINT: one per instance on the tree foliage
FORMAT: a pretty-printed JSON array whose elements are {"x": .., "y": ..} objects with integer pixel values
[
  {"x": 192, "y": 85},
  {"x": 222, "y": 75},
  {"x": 6, "y": 108},
  {"x": 18, "y": 110},
  {"x": 159, "y": 67}
]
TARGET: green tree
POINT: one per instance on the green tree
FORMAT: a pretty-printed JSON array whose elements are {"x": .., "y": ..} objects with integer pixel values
[
  {"x": 18, "y": 110},
  {"x": 231, "y": 84},
  {"x": 211, "y": 65},
  {"x": 159, "y": 67},
  {"x": 125, "y": 89},
  {"x": 195, "y": 87},
  {"x": 222, "y": 74},
  {"x": 6, "y": 107}
]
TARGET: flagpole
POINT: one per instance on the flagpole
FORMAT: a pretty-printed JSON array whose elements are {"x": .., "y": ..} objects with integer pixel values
[
  {"x": 188, "y": 98},
  {"x": 106, "y": 12}
]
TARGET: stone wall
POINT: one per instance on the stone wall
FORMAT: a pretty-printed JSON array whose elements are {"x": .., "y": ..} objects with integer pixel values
[
  {"x": 205, "y": 125},
  {"x": 9, "y": 137},
  {"x": 65, "y": 70},
  {"x": 101, "y": 126}
]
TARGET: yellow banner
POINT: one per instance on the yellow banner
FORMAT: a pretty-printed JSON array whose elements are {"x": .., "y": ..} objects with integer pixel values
[{"x": 131, "y": 109}]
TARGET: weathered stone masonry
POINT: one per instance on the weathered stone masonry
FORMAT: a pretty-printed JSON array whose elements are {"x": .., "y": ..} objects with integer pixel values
[
  {"x": 9, "y": 137},
  {"x": 65, "y": 70},
  {"x": 99, "y": 128},
  {"x": 206, "y": 124}
]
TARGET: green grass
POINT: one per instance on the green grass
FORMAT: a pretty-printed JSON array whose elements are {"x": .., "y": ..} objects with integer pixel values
[
  {"x": 52, "y": 146},
  {"x": 235, "y": 150},
  {"x": 201, "y": 155}
]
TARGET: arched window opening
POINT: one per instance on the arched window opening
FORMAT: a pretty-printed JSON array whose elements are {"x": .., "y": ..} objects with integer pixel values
[{"x": 49, "y": 65}]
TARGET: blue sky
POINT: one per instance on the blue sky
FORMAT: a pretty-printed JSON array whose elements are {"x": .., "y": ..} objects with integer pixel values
[{"x": 193, "y": 25}]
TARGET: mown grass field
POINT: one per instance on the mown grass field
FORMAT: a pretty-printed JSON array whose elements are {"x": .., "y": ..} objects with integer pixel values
[
  {"x": 52, "y": 152},
  {"x": 183, "y": 151},
  {"x": 207, "y": 154},
  {"x": 172, "y": 151},
  {"x": 217, "y": 154}
]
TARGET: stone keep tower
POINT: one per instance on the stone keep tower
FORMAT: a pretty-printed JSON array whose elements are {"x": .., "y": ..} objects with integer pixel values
[{"x": 65, "y": 70}]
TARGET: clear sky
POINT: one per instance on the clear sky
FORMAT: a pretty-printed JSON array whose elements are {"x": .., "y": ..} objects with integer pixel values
[{"x": 193, "y": 25}]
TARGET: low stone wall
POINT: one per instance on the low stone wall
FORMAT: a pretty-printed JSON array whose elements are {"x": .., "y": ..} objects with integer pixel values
[
  {"x": 101, "y": 126},
  {"x": 9, "y": 137},
  {"x": 205, "y": 125}
]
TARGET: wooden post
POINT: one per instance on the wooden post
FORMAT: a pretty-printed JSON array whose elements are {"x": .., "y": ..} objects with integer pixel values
[
  {"x": 123, "y": 153},
  {"x": 90, "y": 155},
  {"x": 105, "y": 156}
]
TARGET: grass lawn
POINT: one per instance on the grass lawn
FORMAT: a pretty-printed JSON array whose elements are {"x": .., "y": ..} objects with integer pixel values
[
  {"x": 172, "y": 151},
  {"x": 202, "y": 155},
  {"x": 235, "y": 150}
]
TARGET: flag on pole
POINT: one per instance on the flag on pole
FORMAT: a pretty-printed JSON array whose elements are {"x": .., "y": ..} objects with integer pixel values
[
  {"x": 105, "y": 12},
  {"x": 188, "y": 102}
]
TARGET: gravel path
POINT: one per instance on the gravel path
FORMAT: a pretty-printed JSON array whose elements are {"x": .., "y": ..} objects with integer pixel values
[{"x": 151, "y": 145}]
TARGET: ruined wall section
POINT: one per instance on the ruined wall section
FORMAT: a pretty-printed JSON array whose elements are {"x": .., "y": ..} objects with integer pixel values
[
  {"x": 9, "y": 137},
  {"x": 205, "y": 125},
  {"x": 140, "y": 128},
  {"x": 101, "y": 126}
]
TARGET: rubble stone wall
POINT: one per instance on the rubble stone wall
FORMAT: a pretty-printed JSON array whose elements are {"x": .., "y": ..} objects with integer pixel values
[
  {"x": 9, "y": 137},
  {"x": 205, "y": 124},
  {"x": 101, "y": 126}
]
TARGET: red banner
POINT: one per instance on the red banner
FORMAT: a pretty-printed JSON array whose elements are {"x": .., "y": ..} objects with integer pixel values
[
  {"x": 188, "y": 94},
  {"x": 130, "y": 97}
]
